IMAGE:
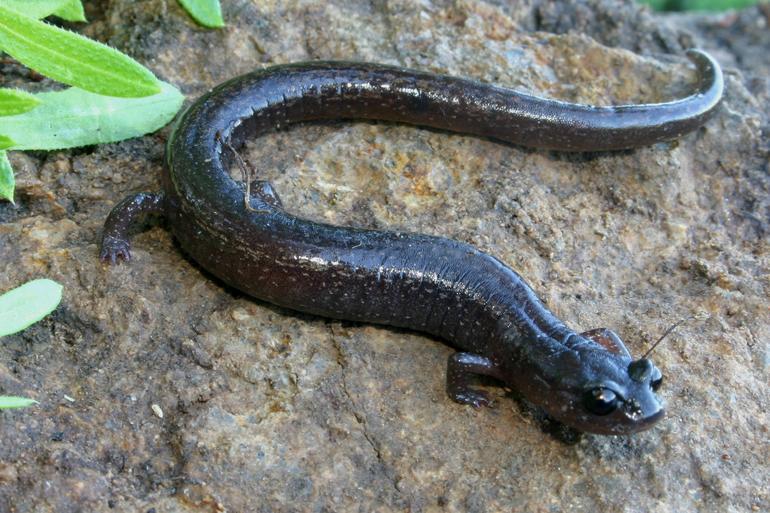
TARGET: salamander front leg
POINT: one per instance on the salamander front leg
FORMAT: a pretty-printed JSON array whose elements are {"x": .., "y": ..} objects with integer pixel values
[
  {"x": 115, "y": 245},
  {"x": 461, "y": 367}
]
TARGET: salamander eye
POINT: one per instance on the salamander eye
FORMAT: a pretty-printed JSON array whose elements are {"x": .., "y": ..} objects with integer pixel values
[{"x": 601, "y": 401}]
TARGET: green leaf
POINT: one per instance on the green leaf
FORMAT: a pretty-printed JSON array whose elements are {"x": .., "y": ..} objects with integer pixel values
[
  {"x": 7, "y": 183},
  {"x": 73, "y": 117},
  {"x": 6, "y": 142},
  {"x": 206, "y": 12},
  {"x": 70, "y": 10},
  {"x": 699, "y": 5},
  {"x": 14, "y": 101},
  {"x": 658, "y": 5},
  {"x": 73, "y": 59},
  {"x": 28, "y": 304},
  {"x": 7, "y": 401},
  {"x": 35, "y": 8}
]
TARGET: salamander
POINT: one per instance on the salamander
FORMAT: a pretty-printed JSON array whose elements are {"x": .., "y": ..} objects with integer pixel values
[{"x": 443, "y": 287}]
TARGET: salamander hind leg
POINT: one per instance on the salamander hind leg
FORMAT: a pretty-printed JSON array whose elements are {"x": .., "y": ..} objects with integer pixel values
[
  {"x": 115, "y": 245},
  {"x": 461, "y": 368},
  {"x": 263, "y": 196}
]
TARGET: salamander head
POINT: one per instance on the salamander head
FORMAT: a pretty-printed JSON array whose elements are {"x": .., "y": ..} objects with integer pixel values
[
  {"x": 626, "y": 404},
  {"x": 607, "y": 392}
]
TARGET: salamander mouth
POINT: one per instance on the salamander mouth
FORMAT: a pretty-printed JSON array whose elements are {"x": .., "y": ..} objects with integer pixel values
[
  {"x": 624, "y": 424},
  {"x": 648, "y": 421}
]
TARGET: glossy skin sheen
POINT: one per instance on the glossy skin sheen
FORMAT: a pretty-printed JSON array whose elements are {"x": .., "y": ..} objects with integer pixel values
[{"x": 443, "y": 287}]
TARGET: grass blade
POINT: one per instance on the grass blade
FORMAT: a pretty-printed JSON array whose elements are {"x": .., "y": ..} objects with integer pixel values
[
  {"x": 14, "y": 101},
  {"x": 28, "y": 304},
  {"x": 73, "y": 59},
  {"x": 7, "y": 402},
  {"x": 7, "y": 182},
  {"x": 73, "y": 117},
  {"x": 206, "y": 12}
]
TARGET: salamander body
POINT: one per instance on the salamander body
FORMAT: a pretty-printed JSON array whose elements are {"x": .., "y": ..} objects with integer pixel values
[{"x": 449, "y": 289}]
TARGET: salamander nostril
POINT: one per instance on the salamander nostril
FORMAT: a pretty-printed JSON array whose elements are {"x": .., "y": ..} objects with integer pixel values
[{"x": 633, "y": 409}]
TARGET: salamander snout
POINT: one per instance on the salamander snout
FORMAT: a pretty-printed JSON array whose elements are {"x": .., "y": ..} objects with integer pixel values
[
  {"x": 625, "y": 404},
  {"x": 644, "y": 406}
]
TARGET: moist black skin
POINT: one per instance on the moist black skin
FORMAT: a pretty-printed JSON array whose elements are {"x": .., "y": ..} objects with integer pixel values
[{"x": 431, "y": 284}]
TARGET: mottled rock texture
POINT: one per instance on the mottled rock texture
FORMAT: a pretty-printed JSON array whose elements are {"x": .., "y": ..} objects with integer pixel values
[{"x": 268, "y": 410}]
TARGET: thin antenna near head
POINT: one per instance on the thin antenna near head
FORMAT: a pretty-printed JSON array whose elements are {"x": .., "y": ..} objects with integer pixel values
[{"x": 667, "y": 333}]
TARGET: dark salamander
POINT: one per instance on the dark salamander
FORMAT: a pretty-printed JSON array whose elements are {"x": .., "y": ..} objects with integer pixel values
[{"x": 443, "y": 287}]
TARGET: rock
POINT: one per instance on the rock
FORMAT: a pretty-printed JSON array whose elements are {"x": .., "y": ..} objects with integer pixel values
[{"x": 265, "y": 409}]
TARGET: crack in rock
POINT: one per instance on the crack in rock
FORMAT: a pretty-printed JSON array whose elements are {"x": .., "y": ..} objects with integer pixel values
[{"x": 342, "y": 361}]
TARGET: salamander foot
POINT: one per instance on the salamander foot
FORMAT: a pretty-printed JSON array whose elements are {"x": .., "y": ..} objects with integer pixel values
[
  {"x": 262, "y": 197},
  {"x": 114, "y": 250},
  {"x": 115, "y": 245},
  {"x": 461, "y": 367},
  {"x": 475, "y": 398}
]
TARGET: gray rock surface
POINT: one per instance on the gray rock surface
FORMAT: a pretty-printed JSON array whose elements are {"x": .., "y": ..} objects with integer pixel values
[{"x": 265, "y": 410}]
